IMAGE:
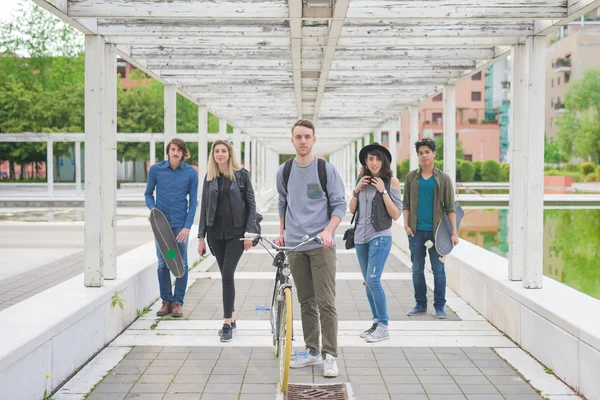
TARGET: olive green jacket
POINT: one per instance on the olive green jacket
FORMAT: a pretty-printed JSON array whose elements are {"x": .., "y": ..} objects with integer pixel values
[{"x": 443, "y": 197}]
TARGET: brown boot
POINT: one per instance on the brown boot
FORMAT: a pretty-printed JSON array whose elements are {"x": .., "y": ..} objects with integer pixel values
[
  {"x": 164, "y": 310},
  {"x": 176, "y": 313}
]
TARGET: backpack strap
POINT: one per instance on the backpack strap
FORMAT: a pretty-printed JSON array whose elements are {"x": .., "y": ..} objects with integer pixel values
[
  {"x": 287, "y": 170},
  {"x": 322, "y": 168}
]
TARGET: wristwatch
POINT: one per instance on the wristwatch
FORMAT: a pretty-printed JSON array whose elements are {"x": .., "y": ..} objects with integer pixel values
[
  {"x": 384, "y": 192},
  {"x": 355, "y": 194}
]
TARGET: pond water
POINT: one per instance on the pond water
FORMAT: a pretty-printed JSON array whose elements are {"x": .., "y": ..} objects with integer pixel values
[{"x": 571, "y": 242}]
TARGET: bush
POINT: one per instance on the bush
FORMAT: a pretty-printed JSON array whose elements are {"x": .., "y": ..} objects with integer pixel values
[
  {"x": 505, "y": 167},
  {"x": 548, "y": 167},
  {"x": 477, "y": 166},
  {"x": 402, "y": 169},
  {"x": 587, "y": 168},
  {"x": 466, "y": 172},
  {"x": 491, "y": 171},
  {"x": 598, "y": 173},
  {"x": 591, "y": 177},
  {"x": 439, "y": 164},
  {"x": 571, "y": 167},
  {"x": 575, "y": 175}
]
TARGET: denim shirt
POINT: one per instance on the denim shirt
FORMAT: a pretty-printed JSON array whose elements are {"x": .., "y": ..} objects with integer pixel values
[{"x": 172, "y": 189}]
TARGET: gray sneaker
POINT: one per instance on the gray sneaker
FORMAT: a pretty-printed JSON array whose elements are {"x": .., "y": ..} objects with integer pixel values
[
  {"x": 369, "y": 331},
  {"x": 381, "y": 333}
]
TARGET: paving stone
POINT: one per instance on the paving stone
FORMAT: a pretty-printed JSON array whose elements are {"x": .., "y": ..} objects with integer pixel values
[
  {"x": 221, "y": 388},
  {"x": 113, "y": 388},
  {"x": 161, "y": 370},
  {"x": 362, "y": 371},
  {"x": 110, "y": 378},
  {"x": 513, "y": 389},
  {"x": 195, "y": 371},
  {"x": 260, "y": 378},
  {"x": 220, "y": 396},
  {"x": 366, "y": 389},
  {"x": 385, "y": 371},
  {"x": 463, "y": 371},
  {"x": 136, "y": 363},
  {"x": 182, "y": 396},
  {"x": 144, "y": 396},
  {"x": 405, "y": 388},
  {"x": 253, "y": 388},
  {"x": 471, "y": 380},
  {"x": 478, "y": 389},
  {"x": 434, "y": 388},
  {"x": 167, "y": 378},
  {"x": 498, "y": 371},
  {"x": 150, "y": 388},
  {"x": 431, "y": 371},
  {"x": 484, "y": 397},
  {"x": 186, "y": 388},
  {"x": 522, "y": 397},
  {"x": 506, "y": 379},
  {"x": 106, "y": 396}
]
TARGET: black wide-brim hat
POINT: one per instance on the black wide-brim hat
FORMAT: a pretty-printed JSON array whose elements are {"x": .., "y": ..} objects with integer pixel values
[{"x": 362, "y": 155}]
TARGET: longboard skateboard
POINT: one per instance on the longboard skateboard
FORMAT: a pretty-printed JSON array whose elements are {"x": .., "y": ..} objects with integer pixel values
[
  {"x": 166, "y": 242},
  {"x": 443, "y": 233}
]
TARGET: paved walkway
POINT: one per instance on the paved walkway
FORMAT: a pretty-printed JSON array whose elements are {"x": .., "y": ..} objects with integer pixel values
[{"x": 425, "y": 358}]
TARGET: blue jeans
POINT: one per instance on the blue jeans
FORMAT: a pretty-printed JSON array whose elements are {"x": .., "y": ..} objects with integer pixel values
[
  {"x": 164, "y": 274},
  {"x": 372, "y": 257},
  {"x": 418, "y": 250}
]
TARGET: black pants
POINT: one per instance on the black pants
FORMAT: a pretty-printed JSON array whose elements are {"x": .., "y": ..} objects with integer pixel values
[{"x": 228, "y": 253}]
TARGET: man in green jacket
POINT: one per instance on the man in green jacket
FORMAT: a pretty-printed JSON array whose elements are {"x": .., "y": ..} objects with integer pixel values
[{"x": 428, "y": 194}]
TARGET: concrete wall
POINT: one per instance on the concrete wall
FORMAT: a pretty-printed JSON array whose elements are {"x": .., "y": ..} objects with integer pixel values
[{"x": 557, "y": 324}]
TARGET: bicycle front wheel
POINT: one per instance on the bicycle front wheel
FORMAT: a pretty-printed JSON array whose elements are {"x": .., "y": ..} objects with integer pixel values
[{"x": 285, "y": 339}]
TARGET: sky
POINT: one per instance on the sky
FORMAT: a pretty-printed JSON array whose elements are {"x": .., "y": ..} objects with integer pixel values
[{"x": 7, "y": 7}]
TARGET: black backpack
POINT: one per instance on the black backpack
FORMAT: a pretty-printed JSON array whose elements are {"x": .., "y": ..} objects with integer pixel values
[
  {"x": 321, "y": 167},
  {"x": 257, "y": 229}
]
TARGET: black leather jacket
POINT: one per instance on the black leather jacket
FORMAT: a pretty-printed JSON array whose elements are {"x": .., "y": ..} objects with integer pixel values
[{"x": 242, "y": 203}]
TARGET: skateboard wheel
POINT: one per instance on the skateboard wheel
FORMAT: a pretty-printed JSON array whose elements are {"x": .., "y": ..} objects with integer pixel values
[{"x": 429, "y": 244}]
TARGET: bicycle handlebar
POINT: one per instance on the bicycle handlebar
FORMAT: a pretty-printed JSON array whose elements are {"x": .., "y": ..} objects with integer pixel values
[{"x": 306, "y": 240}]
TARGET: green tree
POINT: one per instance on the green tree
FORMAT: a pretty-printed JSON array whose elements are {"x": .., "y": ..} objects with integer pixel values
[
  {"x": 579, "y": 133},
  {"x": 402, "y": 169},
  {"x": 552, "y": 153},
  {"x": 477, "y": 166},
  {"x": 439, "y": 148},
  {"x": 466, "y": 172}
]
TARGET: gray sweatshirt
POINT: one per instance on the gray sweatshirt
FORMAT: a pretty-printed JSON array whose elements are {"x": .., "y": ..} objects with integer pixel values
[{"x": 304, "y": 204}]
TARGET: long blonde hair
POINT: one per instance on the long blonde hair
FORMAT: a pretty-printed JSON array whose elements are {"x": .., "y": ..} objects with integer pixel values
[{"x": 232, "y": 165}]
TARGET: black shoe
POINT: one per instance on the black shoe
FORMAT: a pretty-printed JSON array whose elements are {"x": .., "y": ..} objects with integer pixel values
[
  {"x": 233, "y": 326},
  {"x": 227, "y": 334}
]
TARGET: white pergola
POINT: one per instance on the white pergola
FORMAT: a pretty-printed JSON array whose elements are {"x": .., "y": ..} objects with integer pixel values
[{"x": 350, "y": 66}]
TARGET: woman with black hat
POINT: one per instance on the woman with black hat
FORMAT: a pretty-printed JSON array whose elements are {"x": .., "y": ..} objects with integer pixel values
[{"x": 376, "y": 201}]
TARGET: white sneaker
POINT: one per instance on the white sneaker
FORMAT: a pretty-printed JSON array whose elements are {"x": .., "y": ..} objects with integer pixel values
[
  {"x": 304, "y": 359},
  {"x": 381, "y": 333},
  {"x": 368, "y": 331},
  {"x": 330, "y": 369}
]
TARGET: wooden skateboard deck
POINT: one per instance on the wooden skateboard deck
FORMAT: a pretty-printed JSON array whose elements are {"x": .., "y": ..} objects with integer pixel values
[
  {"x": 443, "y": 233},
  {"x": 166, "y": 242}
]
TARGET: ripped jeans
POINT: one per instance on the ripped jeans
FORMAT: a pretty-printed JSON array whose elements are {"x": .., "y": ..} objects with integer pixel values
[{"x": 372, "y": 257}]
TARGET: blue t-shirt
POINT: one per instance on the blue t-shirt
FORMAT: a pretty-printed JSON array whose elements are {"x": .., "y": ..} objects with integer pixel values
[{"x": 425, "y": 210}]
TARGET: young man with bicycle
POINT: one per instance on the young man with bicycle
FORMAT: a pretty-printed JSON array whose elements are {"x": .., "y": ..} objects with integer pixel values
[{"x": 312, "y": 202}]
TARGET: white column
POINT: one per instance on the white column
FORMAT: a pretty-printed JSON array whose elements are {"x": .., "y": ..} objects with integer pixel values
[
  {"x": 358, "y": 164},
  {"x": 237, "y": 144},
  {"x": 50, "y": 167},
  {"x": 78, "y": 168},
  {"x": 263, "y": 169},
  {"x": 518, "y": 155},
  {"x": 170, "y": 115},
  {"x": 247, "y": 152},
  {"x": 222, "y": 127},
  {"x": 152, "y": 152},
  {"x": 254, "y": 157},
  {"x": 95, "y": 86},
  {"x": 533, "y": 267},
  {"x": 414, "y": 136},
  {"x": 392, "y": 129},
  {"x": 109, "y": 141},
  {"x": 450, "y": 132},
  {"x": 202, "y": 148},
  {"x": 259, "y": 166},
  {"x": 377, "y": 135}
]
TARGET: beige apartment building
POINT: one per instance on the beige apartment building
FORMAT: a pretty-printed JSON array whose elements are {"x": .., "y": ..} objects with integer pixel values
[{"x": 571, "y": 50}]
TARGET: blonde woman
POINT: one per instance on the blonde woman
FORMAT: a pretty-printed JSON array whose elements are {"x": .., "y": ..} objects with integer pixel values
[{"x": 228, "y": 210}]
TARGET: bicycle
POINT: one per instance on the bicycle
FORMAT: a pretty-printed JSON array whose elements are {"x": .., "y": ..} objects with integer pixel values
[{"x": 281, "y": 304}]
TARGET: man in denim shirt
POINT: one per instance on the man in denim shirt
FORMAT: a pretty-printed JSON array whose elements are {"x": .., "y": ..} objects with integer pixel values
[{"x": 174, "y": 181}]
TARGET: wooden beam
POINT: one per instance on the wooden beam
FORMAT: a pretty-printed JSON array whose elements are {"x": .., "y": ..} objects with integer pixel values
[
  {"x": 335, "y": 29},
  {"x": 456, "y": 9},
  {"x": 180, "y": 9}
]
